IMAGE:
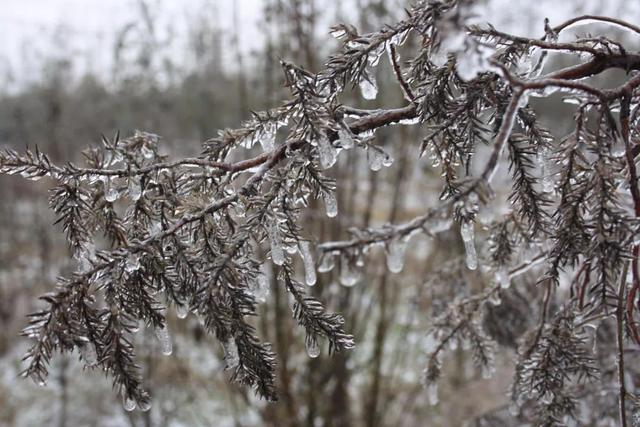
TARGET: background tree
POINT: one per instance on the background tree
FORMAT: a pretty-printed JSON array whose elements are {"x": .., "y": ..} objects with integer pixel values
[{"x": 197, "y": 230}]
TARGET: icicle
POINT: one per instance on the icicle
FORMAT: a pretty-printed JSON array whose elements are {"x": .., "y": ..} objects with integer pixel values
[
  {"x": 309, "y": 265},
  {"x": 346, "y": 138},
  {"x": 162, "y": 333},
  {"x": 231, "y": 356},
  {"x": 432, "y": 393},
  {"x": 467, "y": 234},
  {"x": 135, "y": 190},
  {"x": 375, "y": 159},
  {"x": 502, "y": 277},
  {"x": 327, "y": 263},
  {"x": 277, "y": 251},
  {"x": 330, "y": 204},
  {"x": 182, "y": 310},
  {"x": 110, "y": 191},
  {"x": 313, "y": 349},
  {"x": 348, "y": 276},
  {"x": 261, "y": 289},
  {"x": 133, "y": 263},
  {"x": 395, "y": 254},
  {"x": 368, "y": 87},
  {"x": 547, "y": 175},
  {"x": 327, "y": 152},
  {"x": 268, "y": 137},
  {"x": 88, "y": 351},
  {"x": 128, "y": 403}
]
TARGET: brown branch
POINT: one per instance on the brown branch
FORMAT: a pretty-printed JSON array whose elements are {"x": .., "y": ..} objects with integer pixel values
[
  {"x": 406, "y": 89},
  {"x": 603, "y": 19},
  {"x": 620, "y": 340}
]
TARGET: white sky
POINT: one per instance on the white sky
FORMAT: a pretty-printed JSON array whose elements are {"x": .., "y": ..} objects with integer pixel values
[
  {"x": 85, "y": 28},
  {"x": 33, "y": 29}
]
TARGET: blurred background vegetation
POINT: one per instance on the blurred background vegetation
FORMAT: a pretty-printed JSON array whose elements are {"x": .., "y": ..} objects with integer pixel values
[{"x": 212, "y": 84}]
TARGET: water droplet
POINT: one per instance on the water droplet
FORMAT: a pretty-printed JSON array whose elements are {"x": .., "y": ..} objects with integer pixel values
[
  {"x": 313, "y": 349},
  {"x": 375, "y": 158},
  {"x": 327, "y": 262},
  {"x": 145, "y": 405},
  {"x": 110, "y": 191},
  {"x": 182, "y": 310},
  {"x": 348, "y": 275},
  {"x": 128, "y": 403}
]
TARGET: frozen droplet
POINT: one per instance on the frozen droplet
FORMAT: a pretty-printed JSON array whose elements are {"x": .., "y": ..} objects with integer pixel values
[
  {"x": 88, "y": 352},
  {"x": 346, "y": 138},
  {"x": 309, "y": 265},
  {"x": 348, "y": 275},
  {"x": 231, "y": 356},
  {"x": 502, "y": 277},
  {"x": 277, "y": 251},
  {"x": 387, "y": 160},
  {"x": 145, "y": 405},
  {"x": 395, "y": 254},
  {"x": 495, "y": 298},
  {"x": 268, "y": 137},
  {"x": 182, "y": 310},
  {"x": 110, "y": 191},
  {"x": 453, "y": 344},
  {"x": 327, "y": 152},
  {"x": 488, "y": 371},
  {"x": 369, "y": 87},
  {"x": 375, "y": 158},
  {"x": 133, "y": 263},
  {"x": 330, "y": 204},
  {"x": 135, "y": 190},
  {"x": 432, "y": 393},
  {"x": 327, "y": 262},
  {"x": 467, "y": 234},
  {"x": 128, "y": 403},
  {"x": 162, "y": 333},
  {"x": 260, "y": 288},
  {"x": 313, "y": 349},
  {"x": 291, "y": 248},
  {"x": 514, "y": 409}
]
